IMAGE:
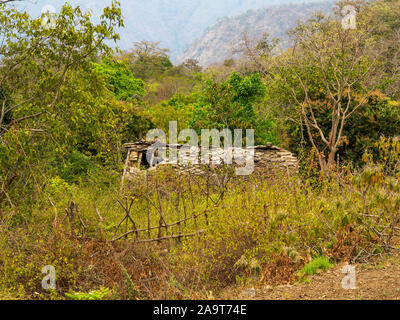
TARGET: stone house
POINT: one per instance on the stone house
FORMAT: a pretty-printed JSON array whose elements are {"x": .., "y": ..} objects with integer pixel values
[{"x": 144, "y": 156}]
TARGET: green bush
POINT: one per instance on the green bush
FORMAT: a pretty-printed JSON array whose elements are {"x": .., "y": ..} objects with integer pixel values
[{"x": 317, "y": 264}]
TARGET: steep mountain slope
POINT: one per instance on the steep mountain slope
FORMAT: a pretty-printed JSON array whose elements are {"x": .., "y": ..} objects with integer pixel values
[
  {"x": 218, "y": 41},
  {"x": 175, "y": 23}
]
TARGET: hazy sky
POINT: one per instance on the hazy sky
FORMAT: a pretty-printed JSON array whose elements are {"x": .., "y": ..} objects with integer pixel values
[{"x": 174, "y": 23}]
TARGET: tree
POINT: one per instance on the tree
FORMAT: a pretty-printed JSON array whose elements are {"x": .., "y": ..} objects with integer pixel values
[
  {"x": 384, "y": 15},
  {"x": 192, "y": 65},
  {"x": 181, "y": 79},
  {"x": 147, "y": 60},
  {"x": 36, "y": 61},
  {"x": 332, "y": 66},
  {"x": 231, "y": 104},
  {"x": 120, "y": 80},
  {"x": 257, "y": 52},
  {"x": 8, "y": 1},
  {"x": 41, "y": 99},
  {"x": 379, "y": 116},
  {"x": 179, "y": 108}
]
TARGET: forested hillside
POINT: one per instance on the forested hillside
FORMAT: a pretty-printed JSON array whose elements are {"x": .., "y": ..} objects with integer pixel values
[{"x": 77, "y": 223}]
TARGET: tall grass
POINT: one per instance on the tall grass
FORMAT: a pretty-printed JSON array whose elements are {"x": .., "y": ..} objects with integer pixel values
[{"x": 267, "y": 226}]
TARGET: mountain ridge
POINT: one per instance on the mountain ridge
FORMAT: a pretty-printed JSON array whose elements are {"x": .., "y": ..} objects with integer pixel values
[
  {"x": 175, "y": 23},
  {"x": 217, "y": 41}
]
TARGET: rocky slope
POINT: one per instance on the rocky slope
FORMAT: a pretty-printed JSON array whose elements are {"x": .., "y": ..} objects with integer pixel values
[{"x": 218, "y": 42}]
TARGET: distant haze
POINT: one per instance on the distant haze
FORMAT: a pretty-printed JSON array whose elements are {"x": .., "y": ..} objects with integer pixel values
[
  {"x": 219, "y": 41},
  {"x": 176, "y": 24}
]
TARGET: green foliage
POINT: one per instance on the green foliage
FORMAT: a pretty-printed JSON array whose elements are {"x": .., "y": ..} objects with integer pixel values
[
  {"x": 378, "y": 117},
  {"x": 384, "y": 156},
  {"x": 100, "y": 294},
  {"x": 387, "y": 13},
  {"x": 121, "y": 81},
  {"x": 185, "y": 79},
  {"x": 327, "y": 87},
  {"x": 232, "y": 104},
  {"x": 179, "y": 108},
  {"x": 37, "y": 61},
  {"x": 59, "y": 188},
  {"x": 64, "y": 119},
  {"x": 21, "y": 267},
  {"x": 76, "y": 166},
  {"x": 50, "y": 92},
  {"x": 317, "y": 264}
]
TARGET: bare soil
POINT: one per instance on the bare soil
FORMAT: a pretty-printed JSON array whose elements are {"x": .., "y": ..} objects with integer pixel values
[{"x": 378, "y": 282}]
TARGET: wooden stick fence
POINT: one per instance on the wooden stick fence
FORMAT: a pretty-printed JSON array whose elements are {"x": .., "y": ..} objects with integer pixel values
[
  {"x": 174, "y": 196},
  {"x": 166, "y": 226},
  {"x": 179, "y": 199}
]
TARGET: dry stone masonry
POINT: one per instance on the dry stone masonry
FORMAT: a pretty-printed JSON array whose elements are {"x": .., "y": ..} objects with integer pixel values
[{"x": 266, "y": 157}]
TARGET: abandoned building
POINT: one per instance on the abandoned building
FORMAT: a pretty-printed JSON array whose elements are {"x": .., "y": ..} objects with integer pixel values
[{"x": 144, "y": 156}]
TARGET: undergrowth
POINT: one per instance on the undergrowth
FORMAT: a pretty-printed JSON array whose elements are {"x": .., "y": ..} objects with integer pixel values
[
  {"x": 317, "y": 265},
  {"x": 270, "y": 228}
]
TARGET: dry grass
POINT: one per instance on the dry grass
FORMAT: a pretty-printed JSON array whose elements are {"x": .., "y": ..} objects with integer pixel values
[{"x": 262, "y": 227}]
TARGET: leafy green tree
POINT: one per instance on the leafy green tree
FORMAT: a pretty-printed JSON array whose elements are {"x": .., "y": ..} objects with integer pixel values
[
  {"x": 330, "y": 67},
  {"x": 179, "y": 108},
  {"x": 378, "y": 117},
  {"x": 41, "y": 98},
  {"x": 384, "y": 16},
  {"x": 232, "y": 104},
  {"x": 120, "y": 80},
  {"x": 184, "y": 79},
  {"x": 94, "y": 122}
]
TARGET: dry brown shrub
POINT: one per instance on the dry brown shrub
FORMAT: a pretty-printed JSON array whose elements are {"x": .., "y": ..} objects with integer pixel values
[
  {"x": 134, "y": 271},
  {"x": 282, "y": 270},
  {"x": 348, "y": 241}
]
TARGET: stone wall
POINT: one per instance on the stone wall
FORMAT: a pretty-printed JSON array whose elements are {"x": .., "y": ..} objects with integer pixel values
[{"x": 190, "y": 159}]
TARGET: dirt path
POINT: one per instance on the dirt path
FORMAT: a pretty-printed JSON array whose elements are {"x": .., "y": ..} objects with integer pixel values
[
  {"x": 372, "y": 282},
  {"x": 378, "y": 282}
]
